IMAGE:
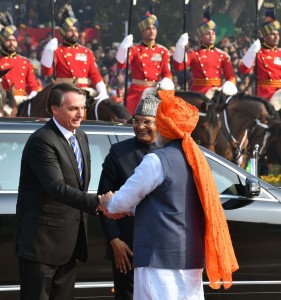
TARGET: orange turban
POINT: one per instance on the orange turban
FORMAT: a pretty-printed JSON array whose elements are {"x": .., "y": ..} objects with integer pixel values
[{"x": 176, "y": 119}]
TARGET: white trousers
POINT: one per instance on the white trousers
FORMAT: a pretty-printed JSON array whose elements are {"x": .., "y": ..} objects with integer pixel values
[{"x": 164, "y": 284}]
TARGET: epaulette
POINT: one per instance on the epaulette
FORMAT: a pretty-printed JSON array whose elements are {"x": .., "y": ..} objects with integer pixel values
[
  {"x": 161, "y": 46},
  {"x": 222, "y": 52}
]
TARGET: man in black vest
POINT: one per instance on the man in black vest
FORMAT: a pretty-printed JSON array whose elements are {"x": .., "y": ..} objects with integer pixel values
[
  {"x": 118, "y": 166},
  {"x": 178, "y": 215}
]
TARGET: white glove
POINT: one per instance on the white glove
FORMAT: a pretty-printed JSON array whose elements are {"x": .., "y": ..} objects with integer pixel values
[
  {"x": 101, "y": 88},
  {"x": 128, "y": 41},
  {"x": 123, "y": 48},
  {"x": 52, "y": 45},
  {"x": 180, "y": 48},
  {"x": 48, "y": 53},
  {"x": 250, "y": 56},
  {"x": 32, "y": 94},
  {"x": 166, "y": 84},
  {"x": 229, "y": 88}
]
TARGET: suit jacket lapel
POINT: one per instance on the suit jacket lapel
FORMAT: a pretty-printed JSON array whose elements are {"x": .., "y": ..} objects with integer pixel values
[{"x": 68, "y": 150}]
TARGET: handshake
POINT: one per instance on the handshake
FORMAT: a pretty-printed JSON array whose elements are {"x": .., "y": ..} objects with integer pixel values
[{"x": 103, "y": 207}]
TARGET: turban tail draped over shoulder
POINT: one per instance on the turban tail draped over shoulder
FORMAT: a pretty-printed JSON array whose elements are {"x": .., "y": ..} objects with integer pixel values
[{"x": 176, "y": 119}]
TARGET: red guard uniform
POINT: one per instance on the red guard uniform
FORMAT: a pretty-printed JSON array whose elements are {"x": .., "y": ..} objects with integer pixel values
[
  {"x": 75, "y": 62},
  {"x": 207, "y": 66},
  {"x": 148, "y": 66},
  {"x": 21, "y": 75},
  {"x": 268, "y": 71}
]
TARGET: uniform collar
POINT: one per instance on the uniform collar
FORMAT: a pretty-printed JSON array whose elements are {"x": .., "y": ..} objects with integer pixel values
[
  {"x": 152, "y": 45},
  {"x": 268, "y": 47},
  {"x": 4, "y": 53},
  {"x": 211, "y": 47}
]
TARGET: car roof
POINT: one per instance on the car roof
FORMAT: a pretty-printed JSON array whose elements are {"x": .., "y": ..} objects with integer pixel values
[{"x": 32, "y": 124}]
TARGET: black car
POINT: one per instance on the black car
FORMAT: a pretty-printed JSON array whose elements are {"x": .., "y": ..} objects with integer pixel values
[{"x": 252, "y": 208}]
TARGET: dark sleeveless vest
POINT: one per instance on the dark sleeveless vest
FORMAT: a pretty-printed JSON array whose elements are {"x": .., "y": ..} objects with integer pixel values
[{"x": 169, "y": 223}]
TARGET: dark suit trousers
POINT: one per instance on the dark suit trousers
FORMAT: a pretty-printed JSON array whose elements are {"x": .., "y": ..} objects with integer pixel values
[
  {"x": 123, "y": 283},
  {"x": 47, "y": 282}
]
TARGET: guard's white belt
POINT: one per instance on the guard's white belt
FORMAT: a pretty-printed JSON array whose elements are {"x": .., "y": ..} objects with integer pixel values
[
  {"x": 144, "y": 82},
  {"x": 72, "y": 80}
]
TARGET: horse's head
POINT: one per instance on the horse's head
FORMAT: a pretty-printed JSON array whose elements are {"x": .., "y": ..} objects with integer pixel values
[
  {"x": 208, "y": 126},
  {"x": 107, "y": 110}
]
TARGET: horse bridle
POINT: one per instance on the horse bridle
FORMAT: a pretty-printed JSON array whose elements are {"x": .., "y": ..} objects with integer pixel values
[
  {"x": 240, "y": 150},
  {"x": 96, "y": 108}
]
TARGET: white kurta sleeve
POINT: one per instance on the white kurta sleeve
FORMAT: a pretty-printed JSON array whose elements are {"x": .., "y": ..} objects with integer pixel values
[{"x": 147, "y": 176}]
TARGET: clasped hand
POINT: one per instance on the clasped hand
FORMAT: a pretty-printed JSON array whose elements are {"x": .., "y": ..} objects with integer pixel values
[{"x": 104, "y": 199}]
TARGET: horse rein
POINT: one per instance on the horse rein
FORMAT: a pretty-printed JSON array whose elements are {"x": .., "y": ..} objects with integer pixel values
[
  {"x": 96, "y": 108},
  {"x": 236, "y": 143},
  {"x": 239, "y": 146}
]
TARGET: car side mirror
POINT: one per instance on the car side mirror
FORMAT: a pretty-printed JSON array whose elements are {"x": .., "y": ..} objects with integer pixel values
[{"x": 253, "y": 187}]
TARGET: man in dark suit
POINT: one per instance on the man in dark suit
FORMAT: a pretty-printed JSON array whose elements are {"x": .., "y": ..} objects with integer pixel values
[
  {"x": 118, "y": 166},
  {"x": 52, "y": 197}
]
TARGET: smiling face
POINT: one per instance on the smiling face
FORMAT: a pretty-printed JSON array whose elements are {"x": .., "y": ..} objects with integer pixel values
[
  {"x": 145, "y": 129},
  {"x": 71, "y": 112}
]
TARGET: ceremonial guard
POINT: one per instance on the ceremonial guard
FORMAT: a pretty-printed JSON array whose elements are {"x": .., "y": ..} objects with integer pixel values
[
  {"x": 265, "y": 55},
  {"x": 73, "y": 62},
  {"x": 21, "y": 78},
  {"x": 208, "y": 64},
  {"x": 149, "y": 62}
]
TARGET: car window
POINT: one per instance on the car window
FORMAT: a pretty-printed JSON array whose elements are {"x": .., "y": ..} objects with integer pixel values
[
  {"x": 11, "y": 147},
  {"x": 228, "y": 182},
  {"x": 99, "y": 148}
]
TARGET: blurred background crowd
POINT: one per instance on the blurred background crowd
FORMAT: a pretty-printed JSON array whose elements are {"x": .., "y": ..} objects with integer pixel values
[{"x": 37, "y": 14}]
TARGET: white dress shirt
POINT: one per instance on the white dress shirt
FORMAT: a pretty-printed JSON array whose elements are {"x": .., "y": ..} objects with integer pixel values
[{"x": 147, "y": 176}]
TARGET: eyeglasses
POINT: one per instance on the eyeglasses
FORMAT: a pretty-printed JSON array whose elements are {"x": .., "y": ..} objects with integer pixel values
[{"x": 144, "y": 122}]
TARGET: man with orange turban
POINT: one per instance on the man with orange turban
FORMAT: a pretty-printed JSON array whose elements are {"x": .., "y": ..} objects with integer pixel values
[{"x": 179, "y": 225}]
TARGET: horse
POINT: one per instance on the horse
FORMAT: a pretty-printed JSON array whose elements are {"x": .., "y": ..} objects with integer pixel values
[
  {"x": 105, "y": 110},
  {"x": 209, "y": 124},
  {"x": 271, "y": 153},
  {"x": 36, "y": 106},
  {"x": 246, "y": 121},
  {"x": 8, "y": 104}
]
